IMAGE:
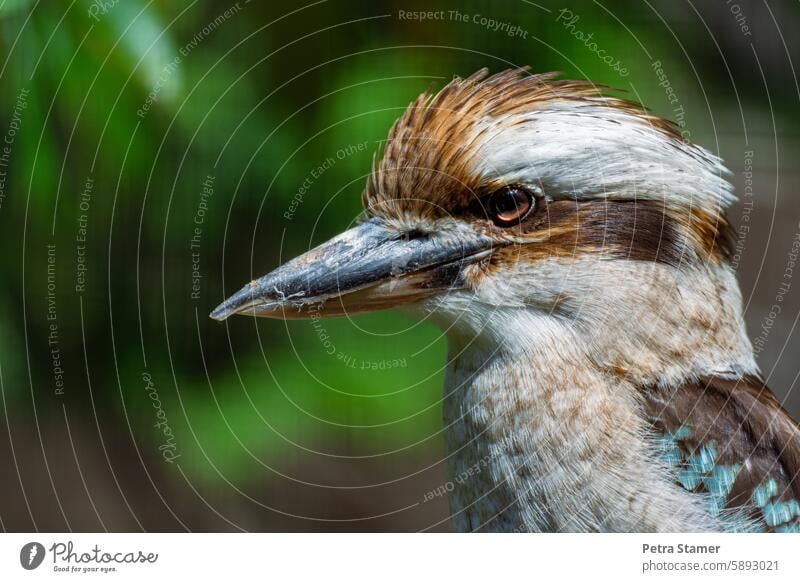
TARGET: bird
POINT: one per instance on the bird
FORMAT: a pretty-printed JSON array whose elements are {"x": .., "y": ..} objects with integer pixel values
[{"x": 575, "y": 250}]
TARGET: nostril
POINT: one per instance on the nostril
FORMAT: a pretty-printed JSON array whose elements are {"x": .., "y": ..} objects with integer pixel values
[{"x": 413, "y": 234}]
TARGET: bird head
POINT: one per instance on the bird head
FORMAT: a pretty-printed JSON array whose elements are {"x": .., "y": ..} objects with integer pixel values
[{"x": 519, "y": 193}]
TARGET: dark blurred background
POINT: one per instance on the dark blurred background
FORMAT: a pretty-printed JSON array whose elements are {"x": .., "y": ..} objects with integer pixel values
[{"x": 156, "y": 155}]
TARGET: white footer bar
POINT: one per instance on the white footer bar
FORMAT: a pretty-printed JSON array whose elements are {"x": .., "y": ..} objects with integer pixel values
[{"x": 406, "y": 557}]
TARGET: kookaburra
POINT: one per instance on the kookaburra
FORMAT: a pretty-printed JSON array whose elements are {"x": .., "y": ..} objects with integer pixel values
[{"x": 575, "y": 251}]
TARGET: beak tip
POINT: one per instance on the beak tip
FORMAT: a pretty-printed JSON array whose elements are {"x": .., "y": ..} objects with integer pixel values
[
  {"x": 220, "y": 313},
  {"x": 236, "y": 303}
]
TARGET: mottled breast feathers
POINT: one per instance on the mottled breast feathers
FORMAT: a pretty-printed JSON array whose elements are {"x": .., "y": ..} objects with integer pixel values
[{"x": 730, "y": 440}]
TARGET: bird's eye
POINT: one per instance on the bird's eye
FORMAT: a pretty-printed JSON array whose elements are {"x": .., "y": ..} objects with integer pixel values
[{"x": 510, "y": 205}]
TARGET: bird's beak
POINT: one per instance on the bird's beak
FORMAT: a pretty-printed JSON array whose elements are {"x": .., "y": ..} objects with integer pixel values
[{"x": 366, "y": 268}]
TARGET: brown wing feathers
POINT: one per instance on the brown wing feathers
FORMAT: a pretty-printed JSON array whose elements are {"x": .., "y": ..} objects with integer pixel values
[{"x": 740, "y": 426}]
